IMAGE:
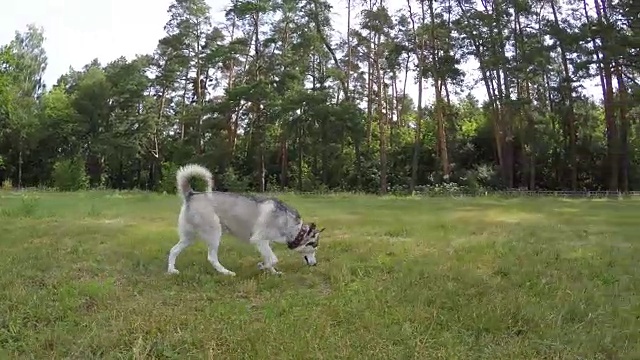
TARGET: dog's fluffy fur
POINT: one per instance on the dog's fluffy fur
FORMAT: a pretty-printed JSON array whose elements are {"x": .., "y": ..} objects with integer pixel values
[{"x": 259, "y": 221}]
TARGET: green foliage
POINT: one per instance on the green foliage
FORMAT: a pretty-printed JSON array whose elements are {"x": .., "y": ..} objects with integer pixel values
[
  {"x": 167, "y": 183},
  {"x": 270, "y": 98},
  {"x": 7, "y": 185},
  {"x": 7, "y": 90},
  {"x": 70, "y": 175},
  {"x": 485, "y": 176},
  {"x": 232, "y": 182}
]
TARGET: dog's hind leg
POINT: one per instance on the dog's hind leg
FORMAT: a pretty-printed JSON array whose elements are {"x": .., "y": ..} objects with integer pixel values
[
  {"x": 186, "y": 239},
  {"x": 211, "y": 236}
]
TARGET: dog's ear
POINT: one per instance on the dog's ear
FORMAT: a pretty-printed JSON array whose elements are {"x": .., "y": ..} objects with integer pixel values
[
  {"x": 319, "y": 231},
  {"x": 312, "y": 227}
]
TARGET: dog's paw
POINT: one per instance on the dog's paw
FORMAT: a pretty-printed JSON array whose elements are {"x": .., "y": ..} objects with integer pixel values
[
  {"x": 271, "y": 269},
  {"x": 173, "y": 271},
  {"x": 229, "y": 273}
]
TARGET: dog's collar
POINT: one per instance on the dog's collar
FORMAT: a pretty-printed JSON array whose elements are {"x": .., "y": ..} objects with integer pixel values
[{"x": 297, "y": 241}]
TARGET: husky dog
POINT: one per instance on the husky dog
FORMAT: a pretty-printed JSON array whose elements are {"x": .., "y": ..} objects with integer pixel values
[{"x": 258, "y": 221}]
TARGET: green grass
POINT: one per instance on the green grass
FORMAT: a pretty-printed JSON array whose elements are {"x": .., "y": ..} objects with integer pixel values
[{"x": 83, "y": 276}]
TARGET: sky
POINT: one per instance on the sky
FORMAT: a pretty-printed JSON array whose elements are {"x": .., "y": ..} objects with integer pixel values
[{"x": 77, "y": 31}]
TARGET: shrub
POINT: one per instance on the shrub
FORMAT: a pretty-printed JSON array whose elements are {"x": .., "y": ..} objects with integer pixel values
[
  {"x": 70, "y": 175},
  {"x": 232, "y": 182},
  {"x": 167, "y": 181},
  {"x": 7, "y": 185}
]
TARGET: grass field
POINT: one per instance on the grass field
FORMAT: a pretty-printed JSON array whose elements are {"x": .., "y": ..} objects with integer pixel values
[{"x": 83, "y": 276}]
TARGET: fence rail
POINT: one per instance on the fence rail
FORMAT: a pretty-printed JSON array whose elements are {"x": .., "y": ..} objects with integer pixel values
[
  {"x": 585, "y": 194},
  {"x": 497, "y": 193}
]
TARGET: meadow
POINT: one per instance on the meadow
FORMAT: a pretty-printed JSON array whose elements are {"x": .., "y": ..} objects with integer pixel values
[{"x": 83, "y": 276}]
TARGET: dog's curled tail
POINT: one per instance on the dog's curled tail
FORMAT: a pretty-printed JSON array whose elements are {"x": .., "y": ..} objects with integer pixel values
[{"x": 189, "y": 171}]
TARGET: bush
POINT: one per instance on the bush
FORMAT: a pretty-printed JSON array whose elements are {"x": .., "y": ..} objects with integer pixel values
[
  {"x": 445, "y": 189},
  {"x": 7, "y": 185},
  {"x": 70, "y": 175},
  {"x": 232, "y": 182},
  {"x": 167, "y": 181},
  {"x": 488, "y": 177}
]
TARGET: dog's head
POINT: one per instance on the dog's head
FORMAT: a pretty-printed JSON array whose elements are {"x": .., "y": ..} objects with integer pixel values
[{"x": 306, "y": 242}]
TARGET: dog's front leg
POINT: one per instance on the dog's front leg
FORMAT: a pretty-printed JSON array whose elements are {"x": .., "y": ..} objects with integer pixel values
[{"x": 269, "y": 259}]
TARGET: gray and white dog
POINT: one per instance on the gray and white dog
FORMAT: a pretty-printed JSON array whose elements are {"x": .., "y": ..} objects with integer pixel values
[{"x": 259, "y": 221}]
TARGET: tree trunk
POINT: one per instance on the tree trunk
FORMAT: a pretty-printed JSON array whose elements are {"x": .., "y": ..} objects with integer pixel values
[
  {"x": 348, "y": 89},
  {"x": 381, "y": 120},
  {"x": 199, "y": 97},
  {"x": 415, "y": 162},
  {"x": 163, "y": 98},
  {"x": 20, "y": 165},
  {"x": 566, "y": 86},
  {"x": 404, "y": 92},
  {"x": 284, "y": 160},
  {"x": 624, "y": 130},
  {"x": 532, "y": 143},
  {"x": 231, "y": 129},
  {"x": 369, "y": 125},
  {"x": 503, "y": 87},
  {"x": 300, "y": 155},
  {"x": 613, "y": 149},
  {"x": 441, "y": 136},
  {"x": 259, "y": 123}
]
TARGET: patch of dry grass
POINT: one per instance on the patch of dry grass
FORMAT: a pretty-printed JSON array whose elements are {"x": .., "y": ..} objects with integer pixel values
[{"x": 83, "y": 276}]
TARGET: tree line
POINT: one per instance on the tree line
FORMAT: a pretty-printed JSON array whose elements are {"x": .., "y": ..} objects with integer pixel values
[{"x": 274, "y": 99}]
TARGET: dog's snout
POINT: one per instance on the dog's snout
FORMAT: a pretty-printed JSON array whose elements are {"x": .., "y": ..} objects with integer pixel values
[{"x": 309, "y": 262}]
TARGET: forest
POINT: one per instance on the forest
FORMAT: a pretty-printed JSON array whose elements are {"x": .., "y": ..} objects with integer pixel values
[{"x": 275, "y": 98}]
